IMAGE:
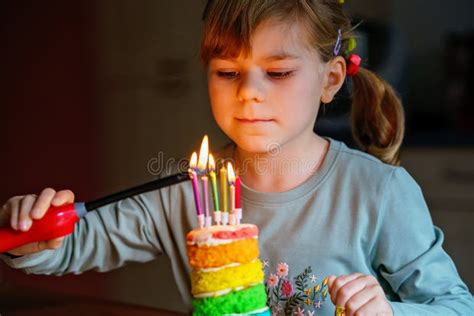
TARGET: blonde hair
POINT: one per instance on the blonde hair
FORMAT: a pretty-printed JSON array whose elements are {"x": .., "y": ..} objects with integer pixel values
[{"x": 377, "y": 113}]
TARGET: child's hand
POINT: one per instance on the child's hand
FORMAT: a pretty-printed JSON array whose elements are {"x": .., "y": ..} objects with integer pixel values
[
  {"x": 360, "y": 294},
  {"x": 20, "y": 211}
]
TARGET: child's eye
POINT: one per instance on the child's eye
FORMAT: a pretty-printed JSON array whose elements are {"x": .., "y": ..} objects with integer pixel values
[
  {"x": 228, "y": 74},
  {"x": 278, "y": 74}
]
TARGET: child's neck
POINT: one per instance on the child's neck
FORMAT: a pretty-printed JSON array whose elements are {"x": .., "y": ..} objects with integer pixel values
[{"x": 278, "y": 172}]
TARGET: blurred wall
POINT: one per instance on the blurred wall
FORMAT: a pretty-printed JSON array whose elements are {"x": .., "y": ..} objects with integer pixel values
[{"x": 50, "y": 133}]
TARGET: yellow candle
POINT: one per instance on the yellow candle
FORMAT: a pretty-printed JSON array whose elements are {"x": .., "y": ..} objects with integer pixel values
[{"x": 223, "y": 175}]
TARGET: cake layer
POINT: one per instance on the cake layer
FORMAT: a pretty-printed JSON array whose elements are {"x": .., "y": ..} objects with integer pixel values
[
  {"x": 240, "y": 251},
  {"x": 231, "y": 277},
  {"x": 217, "y": 234},
  {"x": 236, "y": 302}
]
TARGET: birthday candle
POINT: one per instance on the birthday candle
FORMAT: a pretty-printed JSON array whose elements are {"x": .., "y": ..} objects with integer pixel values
[
  {"x": 202, "y": 167},
  {"x": 231, "y": 179},
  {"x": 223, "y": 178},
  {"x": 237, "y": 191},
  {"x": 194, "y": 179},
  {"x": 205, "y": 184},
  {"x": 212, "y": 174}
]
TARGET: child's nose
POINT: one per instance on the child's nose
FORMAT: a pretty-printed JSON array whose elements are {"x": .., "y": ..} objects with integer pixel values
[{"x": 251, "y": 88}]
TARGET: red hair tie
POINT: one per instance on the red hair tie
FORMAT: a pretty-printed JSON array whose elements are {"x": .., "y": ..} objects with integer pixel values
[{"x": 353, "y": 64}]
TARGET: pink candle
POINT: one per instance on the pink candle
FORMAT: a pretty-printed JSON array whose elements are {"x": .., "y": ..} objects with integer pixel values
[
  {"x": 197, "y": 200},
  {"x": 237, "y": 192},
  {"x": 205, "y": 189}
]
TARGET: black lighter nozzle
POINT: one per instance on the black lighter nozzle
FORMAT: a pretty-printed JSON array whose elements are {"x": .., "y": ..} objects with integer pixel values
[{"x": 146, "y": 187}]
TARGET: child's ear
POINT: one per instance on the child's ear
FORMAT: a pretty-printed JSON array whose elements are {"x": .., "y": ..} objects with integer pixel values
[{"x": 333, "y": 78}]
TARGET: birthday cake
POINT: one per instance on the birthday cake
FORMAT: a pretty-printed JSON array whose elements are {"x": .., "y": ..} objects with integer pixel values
[{"x": 227, "y": 276}]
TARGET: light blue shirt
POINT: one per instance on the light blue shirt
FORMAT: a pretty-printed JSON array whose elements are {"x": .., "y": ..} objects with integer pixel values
[{"x": 356, "y": 214}]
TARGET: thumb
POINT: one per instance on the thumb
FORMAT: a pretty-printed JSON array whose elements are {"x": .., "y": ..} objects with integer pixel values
[{"x": 54, "y": 243}]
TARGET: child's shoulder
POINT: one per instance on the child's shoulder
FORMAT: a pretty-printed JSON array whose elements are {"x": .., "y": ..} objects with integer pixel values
[
  {"x": 354, "y": 162},
  {"x": 368, "y": 173}
]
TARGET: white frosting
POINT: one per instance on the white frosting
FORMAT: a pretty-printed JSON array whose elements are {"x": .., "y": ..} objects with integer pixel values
[
  {"x": 203, "y": 236},
  {"x": 230, "y": 265},
  {"x": 223, "y": 292}
]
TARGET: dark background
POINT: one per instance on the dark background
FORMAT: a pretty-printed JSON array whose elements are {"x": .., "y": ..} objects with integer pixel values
[{"x": 91, "y": 92}]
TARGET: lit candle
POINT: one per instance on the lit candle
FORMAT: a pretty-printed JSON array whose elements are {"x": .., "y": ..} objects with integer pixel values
[
  {"x": 205, "y": 189},
  {"x": 223, "y": 178},
  {"x": 231, "y": 179},
  {"x": 237, "y": 191},
  {"x": 238, "y": 208},
  {"x": 215, "y": 196},
  {"x": 195, "y": 183},
  {"x": 202, "y": 167}
]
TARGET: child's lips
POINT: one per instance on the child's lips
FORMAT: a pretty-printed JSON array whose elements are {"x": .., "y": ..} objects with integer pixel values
[{"x": 254, "y": 120}]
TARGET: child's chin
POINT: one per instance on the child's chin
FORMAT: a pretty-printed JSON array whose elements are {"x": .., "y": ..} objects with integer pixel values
[{"x": 258, "y": 146}]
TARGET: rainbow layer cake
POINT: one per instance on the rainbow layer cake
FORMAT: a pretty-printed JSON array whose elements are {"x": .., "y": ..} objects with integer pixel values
[{"x": 227, "y": 276}]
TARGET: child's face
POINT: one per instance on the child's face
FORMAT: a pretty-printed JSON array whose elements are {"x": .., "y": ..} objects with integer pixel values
[{"x": 271, "y": 96}]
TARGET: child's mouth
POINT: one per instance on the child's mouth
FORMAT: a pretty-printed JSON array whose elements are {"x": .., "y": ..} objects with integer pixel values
[{"x": 253, "y": 121}]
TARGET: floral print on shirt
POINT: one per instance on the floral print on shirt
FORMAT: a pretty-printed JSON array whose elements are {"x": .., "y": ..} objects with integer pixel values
[{"x": 301, "y": 296}]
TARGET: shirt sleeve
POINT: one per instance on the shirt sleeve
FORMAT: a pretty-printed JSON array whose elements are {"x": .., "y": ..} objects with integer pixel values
[
  {"x": 408, "y": 254},
  {"x": 104, "y": 239}
]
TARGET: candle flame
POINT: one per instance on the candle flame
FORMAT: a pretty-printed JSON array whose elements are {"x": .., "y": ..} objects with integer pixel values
[
  {"x": 193, "y": 162},
  {"x": 231, "y": 174},
  {"x": 212, "y": 164},
  {"x": 203, "y": 153}
]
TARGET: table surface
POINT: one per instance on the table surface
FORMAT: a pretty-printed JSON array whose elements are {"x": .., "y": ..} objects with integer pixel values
[{"x": 91, "y": 308}]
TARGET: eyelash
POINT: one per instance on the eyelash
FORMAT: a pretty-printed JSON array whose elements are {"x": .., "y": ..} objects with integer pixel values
[{"x": 273, "y": 74}]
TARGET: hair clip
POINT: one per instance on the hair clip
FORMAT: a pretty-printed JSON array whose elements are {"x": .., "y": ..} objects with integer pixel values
[
  {"x": 338, "y": 45},
  {"x": 351, "y": 45},
  {"x": 353, "y": 62}
]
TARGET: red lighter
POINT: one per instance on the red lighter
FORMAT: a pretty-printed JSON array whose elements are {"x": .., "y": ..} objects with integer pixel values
[{"x": 57, "y": 222}]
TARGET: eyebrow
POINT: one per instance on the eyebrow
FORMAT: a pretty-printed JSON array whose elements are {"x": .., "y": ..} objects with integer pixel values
[
  {"x": 275, "y": 57},
  {"x": 280, "y": 56}
]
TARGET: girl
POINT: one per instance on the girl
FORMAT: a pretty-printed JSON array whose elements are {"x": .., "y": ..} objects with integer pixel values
[{"x": 334, "y": 222}]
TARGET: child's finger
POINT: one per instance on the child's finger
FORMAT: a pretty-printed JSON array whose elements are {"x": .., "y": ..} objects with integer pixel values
[
  {"x": 54, "y": 243},
  {"x": 361, "y": 298},
  {"x": 26, "y": 249},
  {"x": 42, "y": 203},
  {"x": 339, "y": 282},
  {"x": 24, "y": 220},
  {"x": 63, "y": 197},
  {"x": 14, "y": 213},
  {"x": 347, "y": 292},
  {"x": 331, "y": 279},
  {"x": 37, "y": 246}
]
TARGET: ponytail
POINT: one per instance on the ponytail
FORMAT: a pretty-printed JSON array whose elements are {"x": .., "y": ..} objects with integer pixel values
[{"x": 378, "y": 122}]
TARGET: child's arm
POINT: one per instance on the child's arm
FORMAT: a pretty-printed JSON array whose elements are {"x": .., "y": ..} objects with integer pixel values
[
  {"x": 408, "y": 254},
  {"x": 103, "y": 240}
]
